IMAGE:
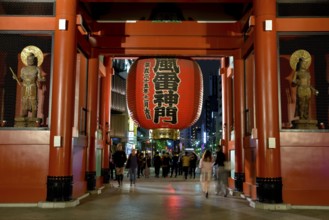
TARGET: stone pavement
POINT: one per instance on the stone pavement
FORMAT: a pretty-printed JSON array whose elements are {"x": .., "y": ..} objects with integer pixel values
[{"x": 157, "y": 199}]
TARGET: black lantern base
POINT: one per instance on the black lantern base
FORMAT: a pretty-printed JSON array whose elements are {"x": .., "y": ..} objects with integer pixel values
[
  {"x": 59, "y": 188},
  {"x": 91, "y": 180},
  {"x": 239, "y": 180},
  {"x": 269, "y": 190},
  {"x": 105, "y": 175}
]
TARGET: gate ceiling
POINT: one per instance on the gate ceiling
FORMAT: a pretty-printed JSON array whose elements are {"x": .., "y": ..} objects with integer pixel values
[{"x": 146, "y": 27}]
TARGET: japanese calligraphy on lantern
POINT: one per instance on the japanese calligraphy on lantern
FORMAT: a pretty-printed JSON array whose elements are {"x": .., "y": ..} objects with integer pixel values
[
  {"x": 164, "y": 92},
  {"x": 166, "y": 82},
  {"x": 146, "y": 87}
]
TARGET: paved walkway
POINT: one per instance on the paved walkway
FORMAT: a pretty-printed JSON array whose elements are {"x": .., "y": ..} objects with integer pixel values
[{"x": 157, "y": 199}]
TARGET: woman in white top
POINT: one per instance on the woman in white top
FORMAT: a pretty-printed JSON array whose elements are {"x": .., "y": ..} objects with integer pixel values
[{"x": 206, "y": 164}]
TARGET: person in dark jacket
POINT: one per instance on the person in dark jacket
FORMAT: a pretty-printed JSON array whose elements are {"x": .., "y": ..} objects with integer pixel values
[
  {"x": 132, "y": 164},
  {"x": 166, "y": 160},
  {"x": 119, "y": 159},
  {"x": 147, "y": 165},
  {"x": 157, "y": 164},
  {"x": 140, "y": 169},
  {"x": 112, "y": 168},
  {"x": 222, "y": 174},
  {"x": 174, "y": 165},
  {"x": 193, "y": 163}
]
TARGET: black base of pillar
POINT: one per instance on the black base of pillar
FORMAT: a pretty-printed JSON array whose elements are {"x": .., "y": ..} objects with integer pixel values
[
  {"x": 91, "y": 180},
  {"x": 59, "y": 188},
  {"x": 239, "y": 180},
  {"x": 269, "y": 190},
  {"x": 105, "y": 175}
]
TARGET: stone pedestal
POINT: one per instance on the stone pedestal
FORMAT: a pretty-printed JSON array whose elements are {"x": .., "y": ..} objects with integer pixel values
[
  {"x": 22, "y": 122},
  {"x": 305, "y": 124}
]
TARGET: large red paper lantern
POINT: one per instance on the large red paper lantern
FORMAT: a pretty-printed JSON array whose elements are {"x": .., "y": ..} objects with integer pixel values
[{"x": 165, "y": 94}]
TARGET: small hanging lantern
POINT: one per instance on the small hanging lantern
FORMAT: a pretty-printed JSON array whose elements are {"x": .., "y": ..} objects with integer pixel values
[{"x": 165, "y": 95}]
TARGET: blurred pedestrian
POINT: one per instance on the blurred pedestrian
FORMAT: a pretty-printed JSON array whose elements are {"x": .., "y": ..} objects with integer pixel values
[
  {"x": 140, "y": 157},
  {"x": 165, "y": 164},
  {"x": 222, "y": 174},
  {"x": 132, "y": 164},
  {"x": 119, "y": 159},
  {"x": 157, "y": 164},
  {"x": 174, "y": 164},
  {"x": 206, "y": 164},
  {"x": 180, "y": 164},
  {"x": 112, "y": 168},
  {"x": 193, "y": 163},
  {"x": 147, "y": 165},
  {"x": 185, "y": 164}
]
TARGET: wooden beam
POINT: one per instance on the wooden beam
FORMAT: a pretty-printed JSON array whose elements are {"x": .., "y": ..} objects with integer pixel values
[
  {"x": 83, "y": 44},
  {"x": 184, "y": 28},
  {"x": 244, "y": 23},
  {"x": 302, "y": 24},
  {"x": 248, "y": 46},
  {"x": 11, "y": 23},
  {"x": 167, "y": 52},
  {"x": 168, "y": 42},
  {"x": 102, "y": 69},
  {"x": 170, "y": 1}
]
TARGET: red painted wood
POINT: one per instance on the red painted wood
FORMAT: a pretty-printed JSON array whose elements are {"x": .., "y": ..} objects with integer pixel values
[
  {"x": 106, "y": 107},
  {"x": 304, "y": 165},
  {"x": 184, "y": 29},
  {"x": 23, "y": 177},
  {"x": 92, "y": 107},
  {"x": 302, "y": 24},
  {"x": 266, "y": 87},
  {"x": 225, "y": 131},
  {"x": 14, "y": 23},
  {"x": 60, "y": 162},
  {"x": 79, "y": 161},
  {"x": 239, "y": 113}
]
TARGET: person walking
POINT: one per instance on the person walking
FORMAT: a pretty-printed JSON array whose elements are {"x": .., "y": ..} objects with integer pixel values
[
  {"x": 206, "y": 164},
  {"x": 193, "y": 164},
  {"x": 157, "y": 164},
  {"x": 222, "y": 174},
  {"x": 132, "y": 165},
  {"x": 140, "y": 163},
  {"x": 119, "y": 159},
  {"x": 112, "y": 168},
  {"x": 185, "y": 164},
  {"x": 174, "y": 166},
  {"x": 147, "y": 165},
  {"x": 180, "y": 164},
  {"x": 165, "y": 164}
]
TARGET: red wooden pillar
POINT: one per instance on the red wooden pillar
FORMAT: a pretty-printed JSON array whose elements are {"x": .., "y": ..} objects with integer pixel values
[
  {"x": 59, "y": 180},
  {"x": 226, "y": 104},
  {"x": 92, "y": 122},
  {"x": 106, "y": 116},
  {"x": 239, "y": 114},
  {"x": 268, "y": 173},
  {"x": 224, "y": 107}
]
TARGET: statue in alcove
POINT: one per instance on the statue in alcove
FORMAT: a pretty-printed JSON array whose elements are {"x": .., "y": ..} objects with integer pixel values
[
  {"x": 30, "y": 80},
  {"x": 300, "y": 61}
]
